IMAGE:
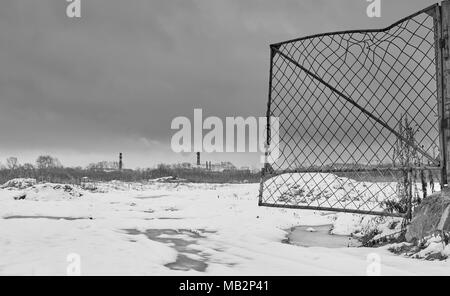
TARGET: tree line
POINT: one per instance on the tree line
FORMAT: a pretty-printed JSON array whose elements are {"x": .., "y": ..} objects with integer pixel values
[{"x": 49, "y": 169}]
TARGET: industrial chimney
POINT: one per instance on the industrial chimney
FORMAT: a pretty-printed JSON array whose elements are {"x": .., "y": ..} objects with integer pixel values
[{"x": 120, "y": 161}]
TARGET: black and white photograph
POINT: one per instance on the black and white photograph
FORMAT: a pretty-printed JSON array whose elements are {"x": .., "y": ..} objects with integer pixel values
[{"x": 197, "y": 139}]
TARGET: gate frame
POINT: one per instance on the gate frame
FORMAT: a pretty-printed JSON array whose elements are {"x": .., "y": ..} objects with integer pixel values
[{"x": 441, "y": 16}]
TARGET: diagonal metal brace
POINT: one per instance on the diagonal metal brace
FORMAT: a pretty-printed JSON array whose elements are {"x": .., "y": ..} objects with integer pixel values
[{"x": 362, "y": 109}]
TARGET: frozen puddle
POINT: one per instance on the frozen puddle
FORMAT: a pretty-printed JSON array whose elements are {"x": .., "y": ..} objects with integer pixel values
[
  {"x": 180, "y": 240},
  {"x": 47, "y": 217},
  {"x": 151, "y": 196},
  {"x": 319, "y": 236}
]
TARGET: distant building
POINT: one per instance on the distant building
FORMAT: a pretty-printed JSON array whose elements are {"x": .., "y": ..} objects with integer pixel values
[
  {"x": 105, "y": 166},
  {"x": 208, "y": 165},
  {"x": 184, "y": 165},
  {"x": 223, "y": 166},
  {"x": 255, "y": 170}
]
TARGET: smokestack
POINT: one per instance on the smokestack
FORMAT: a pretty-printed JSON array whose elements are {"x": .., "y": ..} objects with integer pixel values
[
  {"x": 120, "y": 161},
  {"x": 198, "y": 158}
]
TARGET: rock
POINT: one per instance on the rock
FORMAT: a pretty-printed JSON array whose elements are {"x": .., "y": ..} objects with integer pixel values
[
  {"x": 431, "y": 216},
  {"x": 68, "y": 189},
  {"x": 20, "y": 196}
]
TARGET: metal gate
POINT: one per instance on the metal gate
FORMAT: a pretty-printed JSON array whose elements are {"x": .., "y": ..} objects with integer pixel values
[{"x": 360, "y": 117}]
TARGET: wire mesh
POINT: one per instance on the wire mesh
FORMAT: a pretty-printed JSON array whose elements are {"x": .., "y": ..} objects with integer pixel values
[{"x": 358, "y": 119}]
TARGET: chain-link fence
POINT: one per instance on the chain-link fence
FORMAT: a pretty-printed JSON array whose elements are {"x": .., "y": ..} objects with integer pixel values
[{"x": 358, "y": 114}]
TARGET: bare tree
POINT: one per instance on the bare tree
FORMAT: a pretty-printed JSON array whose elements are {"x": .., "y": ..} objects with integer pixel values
[
  {"x": 47, "y": 162},
  {"x": 12, "y": 163}
]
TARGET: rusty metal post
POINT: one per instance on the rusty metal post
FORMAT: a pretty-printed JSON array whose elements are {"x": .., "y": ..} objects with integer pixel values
[
  {"x": 268, "y": 135},
  {"x": 442, "y": 26}
]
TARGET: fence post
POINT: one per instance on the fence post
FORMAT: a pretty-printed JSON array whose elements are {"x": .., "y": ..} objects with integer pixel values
[
  {"x": 264, "y": 170},
  {"x": 443, "y": 65}
]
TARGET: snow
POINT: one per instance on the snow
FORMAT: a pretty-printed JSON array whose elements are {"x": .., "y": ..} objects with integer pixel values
[
  {"x": 433, "y": 246},
  {"x": 163, "y": 228}
]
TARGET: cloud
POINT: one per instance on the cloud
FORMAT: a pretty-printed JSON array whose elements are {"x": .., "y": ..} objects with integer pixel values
[{"x": 129, "y": 67}]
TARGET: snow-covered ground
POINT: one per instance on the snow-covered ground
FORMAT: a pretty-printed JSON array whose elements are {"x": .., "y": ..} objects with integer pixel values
[{"x": 176, "y": 229}]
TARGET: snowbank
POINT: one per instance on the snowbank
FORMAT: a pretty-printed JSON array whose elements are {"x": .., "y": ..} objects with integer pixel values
[
  {"x": 19, "y": 183},
  {"x": 28, "y": 189},
  {"x": 49, "y": 191}
]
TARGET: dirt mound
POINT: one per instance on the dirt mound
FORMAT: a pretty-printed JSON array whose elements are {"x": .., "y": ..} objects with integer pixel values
[{"x": 430, "y": 217}]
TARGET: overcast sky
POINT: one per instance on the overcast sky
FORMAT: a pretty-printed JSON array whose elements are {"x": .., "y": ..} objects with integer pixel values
[{"x": 113, "y": 80}]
